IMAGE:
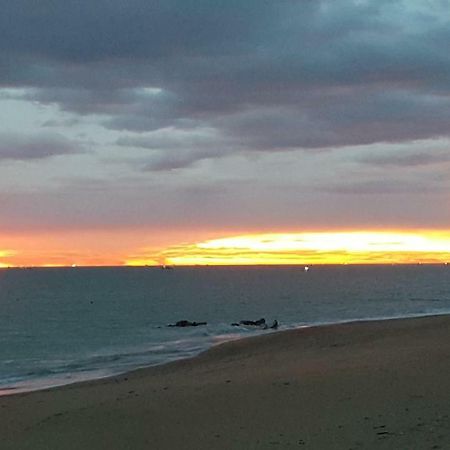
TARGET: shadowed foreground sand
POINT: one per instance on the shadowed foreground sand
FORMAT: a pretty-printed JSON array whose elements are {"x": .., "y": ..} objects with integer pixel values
[{"x": 375, "y": 385}]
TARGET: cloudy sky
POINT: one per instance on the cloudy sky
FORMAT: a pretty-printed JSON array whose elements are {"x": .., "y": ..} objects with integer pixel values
[{"x": 130, "y": 127}]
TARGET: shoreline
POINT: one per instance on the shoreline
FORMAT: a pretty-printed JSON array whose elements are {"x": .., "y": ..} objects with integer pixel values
[
  {"x": 41, "y": 385},
  {"x": 373, "y": 384}
]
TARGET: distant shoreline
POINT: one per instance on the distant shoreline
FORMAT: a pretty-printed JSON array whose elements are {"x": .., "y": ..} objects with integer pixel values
[{"x": 204, "y": 266}]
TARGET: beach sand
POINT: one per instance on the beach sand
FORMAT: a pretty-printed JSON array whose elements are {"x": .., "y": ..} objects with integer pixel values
[{"x": 367, "y": 385}]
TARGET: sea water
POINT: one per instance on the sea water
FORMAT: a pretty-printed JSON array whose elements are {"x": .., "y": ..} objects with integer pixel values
[{"x": 62, "y": 325}]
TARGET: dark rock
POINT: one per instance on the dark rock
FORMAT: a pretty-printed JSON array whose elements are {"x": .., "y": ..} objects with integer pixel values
[
  {"x": 186, "y": 323},
  {"x": 274, "y": 326},
  {"x": 257, "y": 323}
]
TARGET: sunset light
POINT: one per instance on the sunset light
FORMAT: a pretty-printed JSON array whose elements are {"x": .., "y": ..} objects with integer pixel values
[
  {"x": 178, "y": 174},
  {"x": 359, "y": 247},
  {"x": 312, "y": 247}
]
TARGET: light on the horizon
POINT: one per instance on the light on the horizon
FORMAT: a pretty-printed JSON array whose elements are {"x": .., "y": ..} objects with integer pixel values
[
  {"x": 304, "y": 249},
  {"x": 358, "y": 247},
  {"x": 334, "y": 241},
  {"x": 5, "y": 254}
]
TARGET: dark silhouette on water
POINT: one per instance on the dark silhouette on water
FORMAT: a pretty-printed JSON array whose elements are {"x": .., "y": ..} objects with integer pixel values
[
  {"x": 257, "y": 323},
  {"x": 186, "y": 323},
  {"x": 261, "y": 323}
]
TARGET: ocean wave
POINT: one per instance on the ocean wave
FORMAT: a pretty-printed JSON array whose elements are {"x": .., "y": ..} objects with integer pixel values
[{"x": 99, "y": 364}]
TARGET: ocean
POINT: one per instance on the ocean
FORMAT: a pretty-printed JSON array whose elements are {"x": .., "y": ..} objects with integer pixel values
[{"x": 62, "y": 325}]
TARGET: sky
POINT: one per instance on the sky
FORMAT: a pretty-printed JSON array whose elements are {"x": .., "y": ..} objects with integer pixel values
[{"x": 139, "y": 132}]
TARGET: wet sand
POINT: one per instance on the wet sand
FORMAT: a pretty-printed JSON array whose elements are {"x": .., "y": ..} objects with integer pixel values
[{"x": 368, "y": 385}]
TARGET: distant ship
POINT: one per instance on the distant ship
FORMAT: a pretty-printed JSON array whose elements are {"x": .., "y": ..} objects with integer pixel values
[{"x": 165, "y": 267}]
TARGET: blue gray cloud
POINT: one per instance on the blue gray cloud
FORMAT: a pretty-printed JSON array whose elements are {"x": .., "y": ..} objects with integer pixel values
[
  {"x": 266, "y": 75},
  {"x": 33, "y": 147},
  {"x": 244, "y": 94}
]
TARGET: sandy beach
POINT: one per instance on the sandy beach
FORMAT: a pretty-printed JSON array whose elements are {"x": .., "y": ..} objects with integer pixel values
[{"x": 368, "y": 385}]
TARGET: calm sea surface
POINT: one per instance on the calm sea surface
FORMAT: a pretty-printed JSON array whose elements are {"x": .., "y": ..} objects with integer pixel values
[{"x": 62, "y": 325}]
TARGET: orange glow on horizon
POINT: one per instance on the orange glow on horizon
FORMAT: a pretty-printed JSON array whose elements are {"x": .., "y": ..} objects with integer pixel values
[
  {"x": 349, "y": 247},
  {"x": 126, "y": 247}
]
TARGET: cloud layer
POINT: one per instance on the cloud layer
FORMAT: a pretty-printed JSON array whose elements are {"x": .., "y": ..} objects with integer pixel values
[
  {"x": 236, "y": 115},
  {"x": 265, "y": 76},
  {"x": 29, "y": 147}
]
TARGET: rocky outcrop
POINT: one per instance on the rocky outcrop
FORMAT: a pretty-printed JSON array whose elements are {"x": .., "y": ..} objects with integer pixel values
[{"x": 186, "y": 323}]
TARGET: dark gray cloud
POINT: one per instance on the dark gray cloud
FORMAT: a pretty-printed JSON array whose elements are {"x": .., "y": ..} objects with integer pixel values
[
  {"x": 107, "y": 29},
  {"x": 33, "y": 147},
  {"x": 266, "y": 75}
]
